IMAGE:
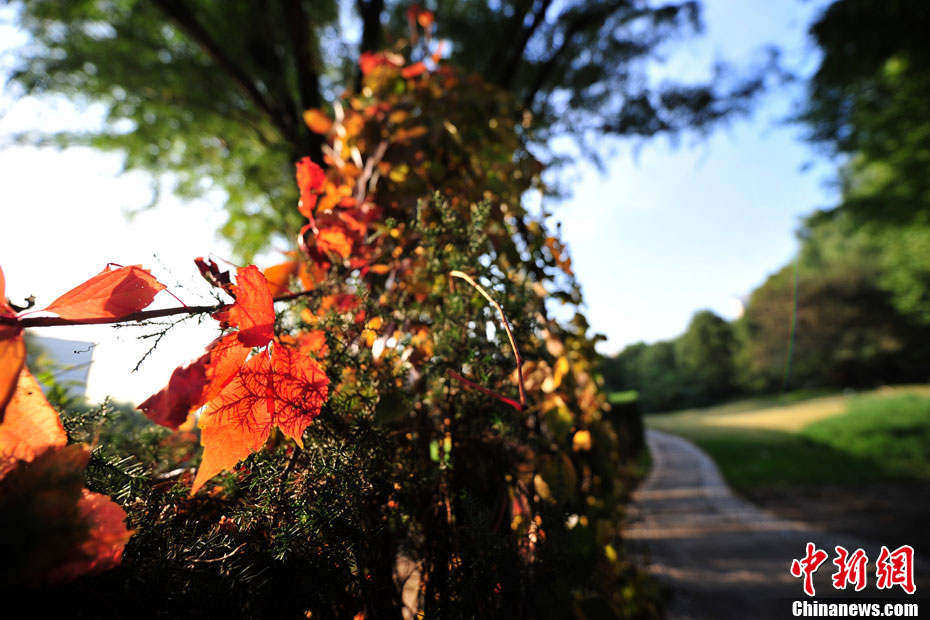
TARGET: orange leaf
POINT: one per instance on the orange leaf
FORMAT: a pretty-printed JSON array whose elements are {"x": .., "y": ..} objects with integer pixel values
[
  {"x": 559, "y": 255},
  {"x": 310, "y": 274},
  {"x": 38, "y": 508},
  {"x": 334, "y": 240},
  {"x": 286, "y": 390},
  {"x": 253, "y": 312},
  {"x": 417, "y": 68},
  {"x": 12, "y": 357},
  {"x": 279, "y": 277},
  {"x": 237, "y": 421},
  {"x": 369, "y": 61},
  {"x": 437, "y": 53},
  {"x": 227, "y": 356},
  {"x": 109, "y": 294},
  {"x": 425, "y": 19},
  {"x": 31, "y": 425},
  {"x": 403, "y": 135},
  {"x": 6, "y": 310},
  {"x": 106, "y": 537},
  {"x": 317, "y": 121},
  {"x": 313, "y": 342}
]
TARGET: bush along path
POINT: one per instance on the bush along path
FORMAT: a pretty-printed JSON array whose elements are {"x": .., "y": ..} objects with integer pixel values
[
  {"x": 721, "y": 557},
  {"x": 392, "y": 423}
]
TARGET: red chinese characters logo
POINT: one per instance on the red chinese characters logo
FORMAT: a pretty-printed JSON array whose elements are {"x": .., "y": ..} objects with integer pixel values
[
  {"x": 896, "y": 568},
  {"x": 808, "y": 566},
  {"x": 893, "y": 568},
  {"x": 851, "y": 569}
]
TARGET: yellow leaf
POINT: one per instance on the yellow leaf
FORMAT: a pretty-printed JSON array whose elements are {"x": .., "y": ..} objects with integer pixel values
[
  {"x": 561, "y": 369},
  {"x": 317, "y": 121},
  {"x": 581, "y": 442}
]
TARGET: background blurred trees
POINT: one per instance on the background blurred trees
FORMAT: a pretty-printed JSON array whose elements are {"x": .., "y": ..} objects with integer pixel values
[
  {"x": 867, "y": 102},
  {"x": 705, "y": 356},
  {"x": 214, "y": 92},
  {"x": 853, "y": 309}
]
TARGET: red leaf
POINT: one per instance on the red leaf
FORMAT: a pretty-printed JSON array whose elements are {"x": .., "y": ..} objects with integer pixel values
[
  {"x": 31, "y": 425},
  {"x": 191, "y": 386},
  {"x": 56, "y": 530},
  {"x": 184, "y": 391},
  {"x": 253, "y": 312},
  {"x": 212, "y": 274},
  {"x": 102, "y": 549},
  {"x": 412, "y": 71},
  {"x": 286, "y": 391},
  {"x": 109, "y": 294},
  {"x": 310, "y": 179}
]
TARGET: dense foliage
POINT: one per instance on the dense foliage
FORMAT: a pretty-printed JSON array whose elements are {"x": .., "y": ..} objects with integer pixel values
[
  {"x": 456, "y": 460},
  {"x": 853, "y": 309}
]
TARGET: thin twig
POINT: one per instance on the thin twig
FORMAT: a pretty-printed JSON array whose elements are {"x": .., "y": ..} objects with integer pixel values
[
  {"x": 513, "y": 342},
  {"x": 374, "y": 160},
  {"x": 485, "y": 390},
  {"x": 219, "y": 559},
  {"x": 142, "y": 315}
]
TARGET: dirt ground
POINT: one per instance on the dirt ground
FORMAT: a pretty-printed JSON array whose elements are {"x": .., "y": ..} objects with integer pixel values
[
  {"x": 888, "y": 514},
  {"x": 722, "y": 558}
]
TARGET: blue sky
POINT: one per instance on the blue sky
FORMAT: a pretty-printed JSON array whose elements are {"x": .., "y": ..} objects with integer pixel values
[
  {"x": 670, "y": 230},
  {"x": 666, "y": 232}
]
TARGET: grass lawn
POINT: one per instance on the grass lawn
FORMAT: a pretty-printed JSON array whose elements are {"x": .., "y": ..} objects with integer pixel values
[{"x": 808, "y": 439}]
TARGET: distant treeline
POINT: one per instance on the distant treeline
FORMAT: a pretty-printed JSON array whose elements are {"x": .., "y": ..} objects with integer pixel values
[
  {"x": 857, "y": 299},
  {"x": 853, "y": 310}
]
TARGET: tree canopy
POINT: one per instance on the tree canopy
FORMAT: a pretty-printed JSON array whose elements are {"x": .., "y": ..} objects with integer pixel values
[
  {"x": 215, "y": 92},
  {"x": 867, "y": 101}
]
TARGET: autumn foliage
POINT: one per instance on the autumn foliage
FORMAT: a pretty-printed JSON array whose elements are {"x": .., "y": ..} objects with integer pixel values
[{"x": 390, "y": 419}]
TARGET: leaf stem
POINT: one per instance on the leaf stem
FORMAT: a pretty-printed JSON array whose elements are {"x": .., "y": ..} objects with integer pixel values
[
  {"x": 513, "y": 342},
  {"x": 484, "y": 390}
]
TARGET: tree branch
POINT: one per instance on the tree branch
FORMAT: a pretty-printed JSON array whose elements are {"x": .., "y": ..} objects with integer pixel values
[
  {"x": 308, "y": 79},
  {"x": 508, "y": 36},
  {"x": 142, "y": 315},
  {"x": 180, "y": 14},
  {"x": 513, "y": 343},
  {"x": 370, "y": 13},
  {"x": 586, "y": 19},
  {"x": 372, "y": 33},
  {"x": 515, "y": 51}
]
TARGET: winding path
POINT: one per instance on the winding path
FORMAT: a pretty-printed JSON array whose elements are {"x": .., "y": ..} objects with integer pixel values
[{"x": 722, "y": 557}]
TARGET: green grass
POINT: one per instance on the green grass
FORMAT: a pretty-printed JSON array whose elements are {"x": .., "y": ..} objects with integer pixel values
[
  {"x": 618, "y": 398},
  {"x": 893, "y": 433},
  {"x": 879, "y": 436}
]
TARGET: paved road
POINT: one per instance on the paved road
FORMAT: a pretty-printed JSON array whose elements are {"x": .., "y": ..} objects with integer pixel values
[{"x": 721, "y": 557}]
